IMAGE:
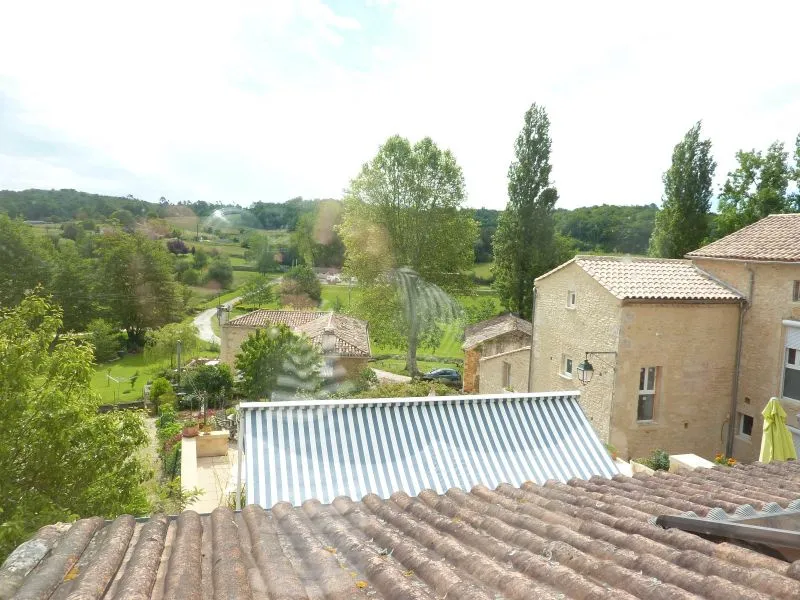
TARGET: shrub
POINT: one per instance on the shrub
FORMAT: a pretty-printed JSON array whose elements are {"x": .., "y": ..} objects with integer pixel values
[
  {"x": 177, "y": 247},
  {"x": 220, "y": 270},
  {"x": 106, "y": 339},
  {"x": 658, "y": 460},
  {"x": 191, "y": 277},
  {"x": 159, "y": 387}
]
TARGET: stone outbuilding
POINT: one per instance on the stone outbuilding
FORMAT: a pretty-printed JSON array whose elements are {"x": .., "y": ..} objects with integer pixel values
[
  {"x": 343, "y": 340},
  {"x": 496, "y": 355}
]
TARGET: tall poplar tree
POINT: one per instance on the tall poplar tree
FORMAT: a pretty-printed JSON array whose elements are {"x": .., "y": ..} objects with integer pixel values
[
  {"x": 682, "y": 222},
  {"x": 525, "y": 241}
]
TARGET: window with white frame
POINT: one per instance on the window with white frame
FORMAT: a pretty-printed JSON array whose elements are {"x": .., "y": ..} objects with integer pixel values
[
  {"x": 507, "y": 375},
  {"x": 745, "y": 426},
  {"x": 645, "y": 409},
  {"x": 791, "y": 374},
  {"x": 571, "y": 296},
  {"x": 566, "y": 366}
]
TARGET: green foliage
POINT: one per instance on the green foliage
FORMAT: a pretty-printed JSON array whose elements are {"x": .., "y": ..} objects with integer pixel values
[
  {"x": 757, "y": 187},
  {"x": 682, "y": 223},
  {"x": 159, "y": 387},
  {"x": 412, "y": 389},
  {"x": 64, "y": 205},
  {"x": 260, "y": 252},
  {"x": 483, "y": 309},
  {"x": 25, "y": 261},
  {"x": 276, "y": 364},
  {"x": 658, "y": 460},
  {"x": 301, "y": 280},
  {"x": 71, "y": 286},
  {"x": 607, "y": 229},
  {"x": 221, "y": 272},
  {"x": 212, "y": 382},
  {"x": 524, "y": 243},
  {"x": 403, "y": 228},
  {"x": 316, "y": 239},
  {"x": 106, "y": 339},
  {"x": 258, "y": 291},
  {"x": 200, "y": 259},
  {"x": 162, "y": 343},
  {"x": 59, "y": 458}
]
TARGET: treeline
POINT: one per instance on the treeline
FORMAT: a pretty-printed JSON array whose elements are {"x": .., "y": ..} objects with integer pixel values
[{"x": 57, "y": 206}]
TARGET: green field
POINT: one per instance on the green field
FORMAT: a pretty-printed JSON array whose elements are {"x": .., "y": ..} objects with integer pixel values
[{"x": 484, "y": 270}]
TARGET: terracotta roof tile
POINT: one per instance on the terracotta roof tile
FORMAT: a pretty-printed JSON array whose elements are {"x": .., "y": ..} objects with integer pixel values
[
  {"x": 633, "y": 278},
  {"x": 491, "y": 328},
  {"x": 776, "y": 237},
  {"x": 583, "y": 539},
  {"x": 350, "y": 336}
]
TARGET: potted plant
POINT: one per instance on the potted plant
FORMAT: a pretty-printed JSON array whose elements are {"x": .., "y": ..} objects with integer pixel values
[
  {"x": 190, "y": 429},
  {"x": 206, "y": 428}
]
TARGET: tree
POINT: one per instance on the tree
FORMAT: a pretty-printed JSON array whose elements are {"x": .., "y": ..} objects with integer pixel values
[
  {"x": 316, "y": 240},
  {"x": 682, "y": 223},
  {"x": 301, "y": 287},
  {"x": 162, "y": 343},
  {"x": 59, "y": 458},
  {"x": 25, "y": 261},
  {"x": 221, "y": 271},
  {"x": 177, "y": 246},
  {"x": 258, "y": 291},
  {"x": 106, "y": 340},
  {"x": 214, "y": 382},
  {"x": 276, "y": 364},
  {"x": 138, "y": 286},
  {"x": 200, "y": 259},
  {"x": 756, "y": 189},
  {"x": 524, "y": 243},
  {"x": 260, "y": 252},
  {"x": 71, "y": 286},
  {"x": 403, "y": 212}
]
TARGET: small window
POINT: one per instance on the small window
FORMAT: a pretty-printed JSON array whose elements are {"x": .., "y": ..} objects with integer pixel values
[
  {"x": 796, "y": 291},
  {"x": 507, "y": 375},
  {"x": 570, "y": 299},
  {"x": 745, "y": 425},
  {"x": 566, "y": 366},
  {"x": 791, "y": 374},
  {"x": 645, "y": 410}
]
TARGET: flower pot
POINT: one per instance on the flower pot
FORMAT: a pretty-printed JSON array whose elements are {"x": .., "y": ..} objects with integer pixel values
[{"x": 191, "y": 431}]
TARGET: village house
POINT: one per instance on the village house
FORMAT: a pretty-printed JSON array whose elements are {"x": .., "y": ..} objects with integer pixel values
[
  {"x": 343, "y": 340},
  {"x": 661, "y": 337},
  {"x": 496, "y": 355},
  {"x": 762, "y": 262}
]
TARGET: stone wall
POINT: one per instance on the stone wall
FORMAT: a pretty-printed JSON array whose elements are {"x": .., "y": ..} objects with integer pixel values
[
  {"x": 763, "y": 339},
  {"x": 231, "y": 339},
  {"x": 513, "y": 340},
  {"x": 471, "y": 377},
  {"x": 492, "y": 371}
]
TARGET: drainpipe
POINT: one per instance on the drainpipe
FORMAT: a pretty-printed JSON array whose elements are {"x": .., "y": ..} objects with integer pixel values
[
  {"x": 744, "y": 306},
  {"x": 533, "y": 318}
]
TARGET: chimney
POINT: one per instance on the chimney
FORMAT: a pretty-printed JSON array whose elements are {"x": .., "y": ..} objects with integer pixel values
[{"x": 329, "y": 337}]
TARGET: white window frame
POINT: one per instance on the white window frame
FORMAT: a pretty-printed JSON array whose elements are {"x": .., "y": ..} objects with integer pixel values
[
  {"x": 572, "y": 299},
  {"x": 795, "y": 366},
  {"x": 566, "y": 361},
  {"x": 646, "y": 390},
  {"x": 740, "y": 417}
]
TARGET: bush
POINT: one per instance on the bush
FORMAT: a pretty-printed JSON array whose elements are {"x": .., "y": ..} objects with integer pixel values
[
  {"x": 167, "y": 400},
  {"x": 106, "y": 339},
  {"x": 301, "y": 280},
  {"x": 220, "y": 270},
  {"x": 190, "y": 277},
  {"x": 413, "y": 389},
  {"x": 159, "y": 387},
  {"x": 658, "y": 460},
  {"x": 177, "y": 247}
]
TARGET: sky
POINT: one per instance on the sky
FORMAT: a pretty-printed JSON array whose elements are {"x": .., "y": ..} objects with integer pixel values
[{"x": 237, "y": 102}]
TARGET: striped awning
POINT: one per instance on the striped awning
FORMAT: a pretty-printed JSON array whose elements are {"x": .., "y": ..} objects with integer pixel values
[{"x": 296, "y": 451}]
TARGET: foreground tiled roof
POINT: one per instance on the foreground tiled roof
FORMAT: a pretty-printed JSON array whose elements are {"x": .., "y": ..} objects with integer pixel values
[
  {"x": 585, "y": 539},
  {"x": 350, "y": 335},
  {"x": 491, "y": 328},
  {"x": 631, "y": 278},
  {"x": 296, "y": 451},
  {"x": 776, "y": 237}
]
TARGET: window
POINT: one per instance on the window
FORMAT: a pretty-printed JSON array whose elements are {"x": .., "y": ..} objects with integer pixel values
[
  {"x": 791, "y": 374},
  {"x": 745, "y": 425},
  {"x": 566, "y": 366},
  {"x": 645, "y": 410},
  {"x": 570, "y": 299},
  {"x": 506, "y": 375},
  {"x": 796, "y": 291}
]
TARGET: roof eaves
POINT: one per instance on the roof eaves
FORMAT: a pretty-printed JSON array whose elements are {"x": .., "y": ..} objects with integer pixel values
[{"x": 559, "y": 267}]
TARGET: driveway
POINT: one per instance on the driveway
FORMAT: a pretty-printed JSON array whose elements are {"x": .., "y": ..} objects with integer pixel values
[
  {"x": 203, "y": 322},
  {"x": 386, "y": 376}
]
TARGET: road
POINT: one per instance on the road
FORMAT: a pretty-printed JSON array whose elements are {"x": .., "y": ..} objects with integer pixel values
[
  {"x": 203, "y": 322},
  {"x": 386, "y": 376}
]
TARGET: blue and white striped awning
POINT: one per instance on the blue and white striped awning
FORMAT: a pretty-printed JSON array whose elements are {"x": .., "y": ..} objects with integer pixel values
[{"x": 295, "y": 451}]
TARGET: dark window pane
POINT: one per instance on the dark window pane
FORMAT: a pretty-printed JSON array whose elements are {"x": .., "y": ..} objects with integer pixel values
[
  {"x": 651, "y": 378},
  {"x": 641, "y": 380},
  {"x": 569, "y": 366},
  {"x": 792, "y": 358},
  {"x": 645, "y": 411},
  {"x": 747, "y": 425},
  {"x": 791, "y": 384}
]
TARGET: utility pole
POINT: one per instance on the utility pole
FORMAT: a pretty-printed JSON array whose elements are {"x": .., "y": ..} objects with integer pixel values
[{"x": 180, "y": 344}]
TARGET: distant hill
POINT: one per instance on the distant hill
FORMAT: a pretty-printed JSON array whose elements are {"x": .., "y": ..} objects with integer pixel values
[{"x": 65, "y": 205}]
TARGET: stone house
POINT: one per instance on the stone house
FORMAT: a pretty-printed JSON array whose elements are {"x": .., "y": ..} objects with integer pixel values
[
  {"x": 762, "y": 262},
  {"x": 343, "y": 341},
  {"x": 496, "y": 355},
  {"x": 661, "y": 336}
]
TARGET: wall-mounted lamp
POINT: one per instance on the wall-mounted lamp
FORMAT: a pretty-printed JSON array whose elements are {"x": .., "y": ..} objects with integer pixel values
[{"x": 586, "y": 370}]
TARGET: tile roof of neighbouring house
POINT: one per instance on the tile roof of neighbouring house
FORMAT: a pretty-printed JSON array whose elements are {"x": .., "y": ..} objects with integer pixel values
[
  {"x": 773, "y": 238},
  {"x": 491, "y": 328},
  {"x": 581, "y": 539},
  {"x": 351, "y": 335},
  {"x": 656, "y": 279},
  {"x": 325, "y": 449}
]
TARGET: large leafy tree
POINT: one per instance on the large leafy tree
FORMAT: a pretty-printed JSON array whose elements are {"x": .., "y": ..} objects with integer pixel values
[
  {"x": 71, "y": 286},
  {"x": 407, "y": 237},
  {"x": 682, "y": 223},
  {"x": 162, "y": 344},
  {"x": 276, "y": 364},
  {"x": 59, "y": 457},
  {"x": 525, "y": 244},
  {"x": 136, "y": 283},
  {"x": 756, "y": 188},
  {"x": 25, "y": 260}
]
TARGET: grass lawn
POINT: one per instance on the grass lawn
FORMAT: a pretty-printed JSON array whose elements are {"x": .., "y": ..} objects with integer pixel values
[
  {"x": 483, "y": 270},
  {"x": 111, "y": 392},
  {"x": 397, "y": 365}
]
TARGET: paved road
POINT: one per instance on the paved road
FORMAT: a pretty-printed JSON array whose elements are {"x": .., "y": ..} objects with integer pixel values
[
  {"x": 203, "y": 323},
  {"x": 391, "y": 377}
]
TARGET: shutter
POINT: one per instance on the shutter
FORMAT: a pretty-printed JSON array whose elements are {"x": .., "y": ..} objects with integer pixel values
[{"x": 793, "y": 337}]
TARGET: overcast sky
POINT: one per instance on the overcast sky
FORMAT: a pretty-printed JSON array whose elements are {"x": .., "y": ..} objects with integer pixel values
[{"x": 239, "y": 102}]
